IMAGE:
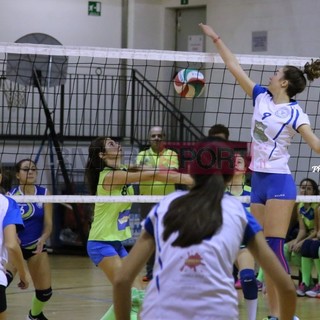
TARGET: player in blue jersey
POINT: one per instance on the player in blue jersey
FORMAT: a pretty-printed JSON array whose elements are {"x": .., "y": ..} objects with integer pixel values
[
  {"x": 196, "y": 236},
  {"x": 276, "y": 119},
  {"x": 37, "y": 218},
  {"x": 10, "y": 221}
]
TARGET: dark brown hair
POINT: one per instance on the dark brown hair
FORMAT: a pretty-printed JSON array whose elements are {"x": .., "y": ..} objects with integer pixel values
[
  {"x": 94, "y": 164},
  {"x": 219, "y": 129},
  {"x": 197, "y": 214},
  {"x": 296, "y": 77}
]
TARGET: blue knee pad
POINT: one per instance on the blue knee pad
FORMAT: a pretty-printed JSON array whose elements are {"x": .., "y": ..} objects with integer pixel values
[
  {"x": 44, "y": 295},
  {"x": 277, "y": 244},
  {"x": 310, "y": 249},
  {"x": 249, "y": 284}
]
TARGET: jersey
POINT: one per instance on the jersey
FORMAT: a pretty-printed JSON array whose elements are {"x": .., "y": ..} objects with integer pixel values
[
  {"x": 33, "y": 217},
  {"x": 201, "y": 273},
  {"x": 9, "y": 214},
  {"x": 272, "y": 129},
  {"x": 111, "y": 219},
  {"x": 246, "y": 191},
  {"x": 166, "y": 159},
  {"x": 308, "y": 215}
]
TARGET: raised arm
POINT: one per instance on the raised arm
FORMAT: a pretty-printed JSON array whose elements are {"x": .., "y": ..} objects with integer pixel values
[
  {"x": 118, "y": 178},
  {"x": 230, "y": 60}
]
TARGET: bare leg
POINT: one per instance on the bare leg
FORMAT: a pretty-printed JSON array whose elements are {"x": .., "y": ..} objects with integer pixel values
[{"x": 275, "y": 218}]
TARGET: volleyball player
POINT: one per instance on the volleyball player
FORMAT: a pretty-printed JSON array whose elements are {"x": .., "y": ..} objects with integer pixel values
[
  {"x": 276, "y": 119},
  {"x": 37, "y": 218},
  {"x": 106, "y": 175},
  {"x": 196, "y": 236},
  {"x": 10, "y": 220},
  {"x": 307, "y": 213}
]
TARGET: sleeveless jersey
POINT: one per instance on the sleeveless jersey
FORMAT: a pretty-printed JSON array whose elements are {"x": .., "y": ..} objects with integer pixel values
[
  {"x": 246, "y": 191},
  {"x": 111, "y": 220},
  {"x": 308, "y": 215},
  {"x": 166, "y": 159},
  {"x": 9, "y": 214},
  {"x": 33, "y": 217},
  {"x": 272, "y": 129},
  {"x": 202, "y": 272}
]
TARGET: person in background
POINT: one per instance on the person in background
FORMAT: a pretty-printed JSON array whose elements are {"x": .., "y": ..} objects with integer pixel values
[
  {"x": 196, "y": 236},
  {"x": 106, "y": 175},
  {"x": 10, "y": 221},
  {"x": 219, "y": 130},
  {"x": 156, "y": 156},
  {"x": 37, "y": 218},
  {"x": 307, "y": 216},
  {"x": 310, "y": 254},
  {"x": 277, "y": 117}
]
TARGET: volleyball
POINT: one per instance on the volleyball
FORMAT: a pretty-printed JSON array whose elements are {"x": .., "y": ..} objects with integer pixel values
[{"x": 189, "y": 83}]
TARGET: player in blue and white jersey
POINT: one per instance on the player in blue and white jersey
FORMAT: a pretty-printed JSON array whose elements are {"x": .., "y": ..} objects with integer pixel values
[
  {"x": 10, "y": 220},
  {"x": 37, "y": 219},
  {"x": 276, "y": 119},
  {"x": 196, "y": 236}
]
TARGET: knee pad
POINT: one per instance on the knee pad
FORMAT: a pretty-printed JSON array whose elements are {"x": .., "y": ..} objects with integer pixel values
[
  {"x": 3, "y": 299},
  {"x": 9, "y": 276},
  {"x": 249, "y": 284},
  {"x": 44, "y": 295},
  {"x": 310, "y": 249},
  {"x": 277, "y": 246}
]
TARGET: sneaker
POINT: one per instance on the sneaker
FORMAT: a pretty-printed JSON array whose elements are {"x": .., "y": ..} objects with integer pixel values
[
  {"x": 313, "y": 293},
  {"x": 137, "y": 297},
  {"x": 38, "y": 317},
  {"x": 237, "y": 284},
  {"x": 146, "y": 278},
  {"x": 302, "y": 289}
]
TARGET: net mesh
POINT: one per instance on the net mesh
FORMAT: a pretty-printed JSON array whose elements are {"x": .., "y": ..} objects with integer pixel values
[{"x": 61, "y": 98}]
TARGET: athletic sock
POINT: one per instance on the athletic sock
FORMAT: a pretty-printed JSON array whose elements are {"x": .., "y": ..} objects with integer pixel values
[
  {"x": 37, "y": 306},
  {"x": 306, "y": 270}
]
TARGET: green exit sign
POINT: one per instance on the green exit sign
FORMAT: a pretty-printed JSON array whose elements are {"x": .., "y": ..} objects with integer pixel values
[
  {"x": 94, "y": 8},
  {"x": 184, "y": 1}
]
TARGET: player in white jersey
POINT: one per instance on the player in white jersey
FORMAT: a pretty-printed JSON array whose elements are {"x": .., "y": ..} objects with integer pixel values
[
  {"x": 276, "y": 118},
  {"x": 10, "y": 219},
  {"x": 196, "y": 236}
]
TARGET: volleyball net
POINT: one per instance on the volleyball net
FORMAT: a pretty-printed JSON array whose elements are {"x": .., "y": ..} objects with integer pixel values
[{"x": 56, "y": 99}]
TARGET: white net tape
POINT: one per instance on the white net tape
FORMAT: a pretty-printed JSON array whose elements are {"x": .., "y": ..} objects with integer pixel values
[{"x": 132, "y": 199}]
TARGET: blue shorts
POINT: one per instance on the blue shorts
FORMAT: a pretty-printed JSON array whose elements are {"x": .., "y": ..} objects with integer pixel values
[
  {"x": 266, "y": 186},
  {"x": 97, "y": 250}
]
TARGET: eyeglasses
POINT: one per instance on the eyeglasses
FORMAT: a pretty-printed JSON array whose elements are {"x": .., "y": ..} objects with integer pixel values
[{"x": 28, "y": 169}]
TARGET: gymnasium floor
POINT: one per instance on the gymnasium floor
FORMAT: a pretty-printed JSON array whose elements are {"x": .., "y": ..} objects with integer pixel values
[{"x": 80, "y": 291}]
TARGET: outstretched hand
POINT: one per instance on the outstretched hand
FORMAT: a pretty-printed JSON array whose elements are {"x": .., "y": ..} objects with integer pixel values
[{"x": 208, "y": 31}]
